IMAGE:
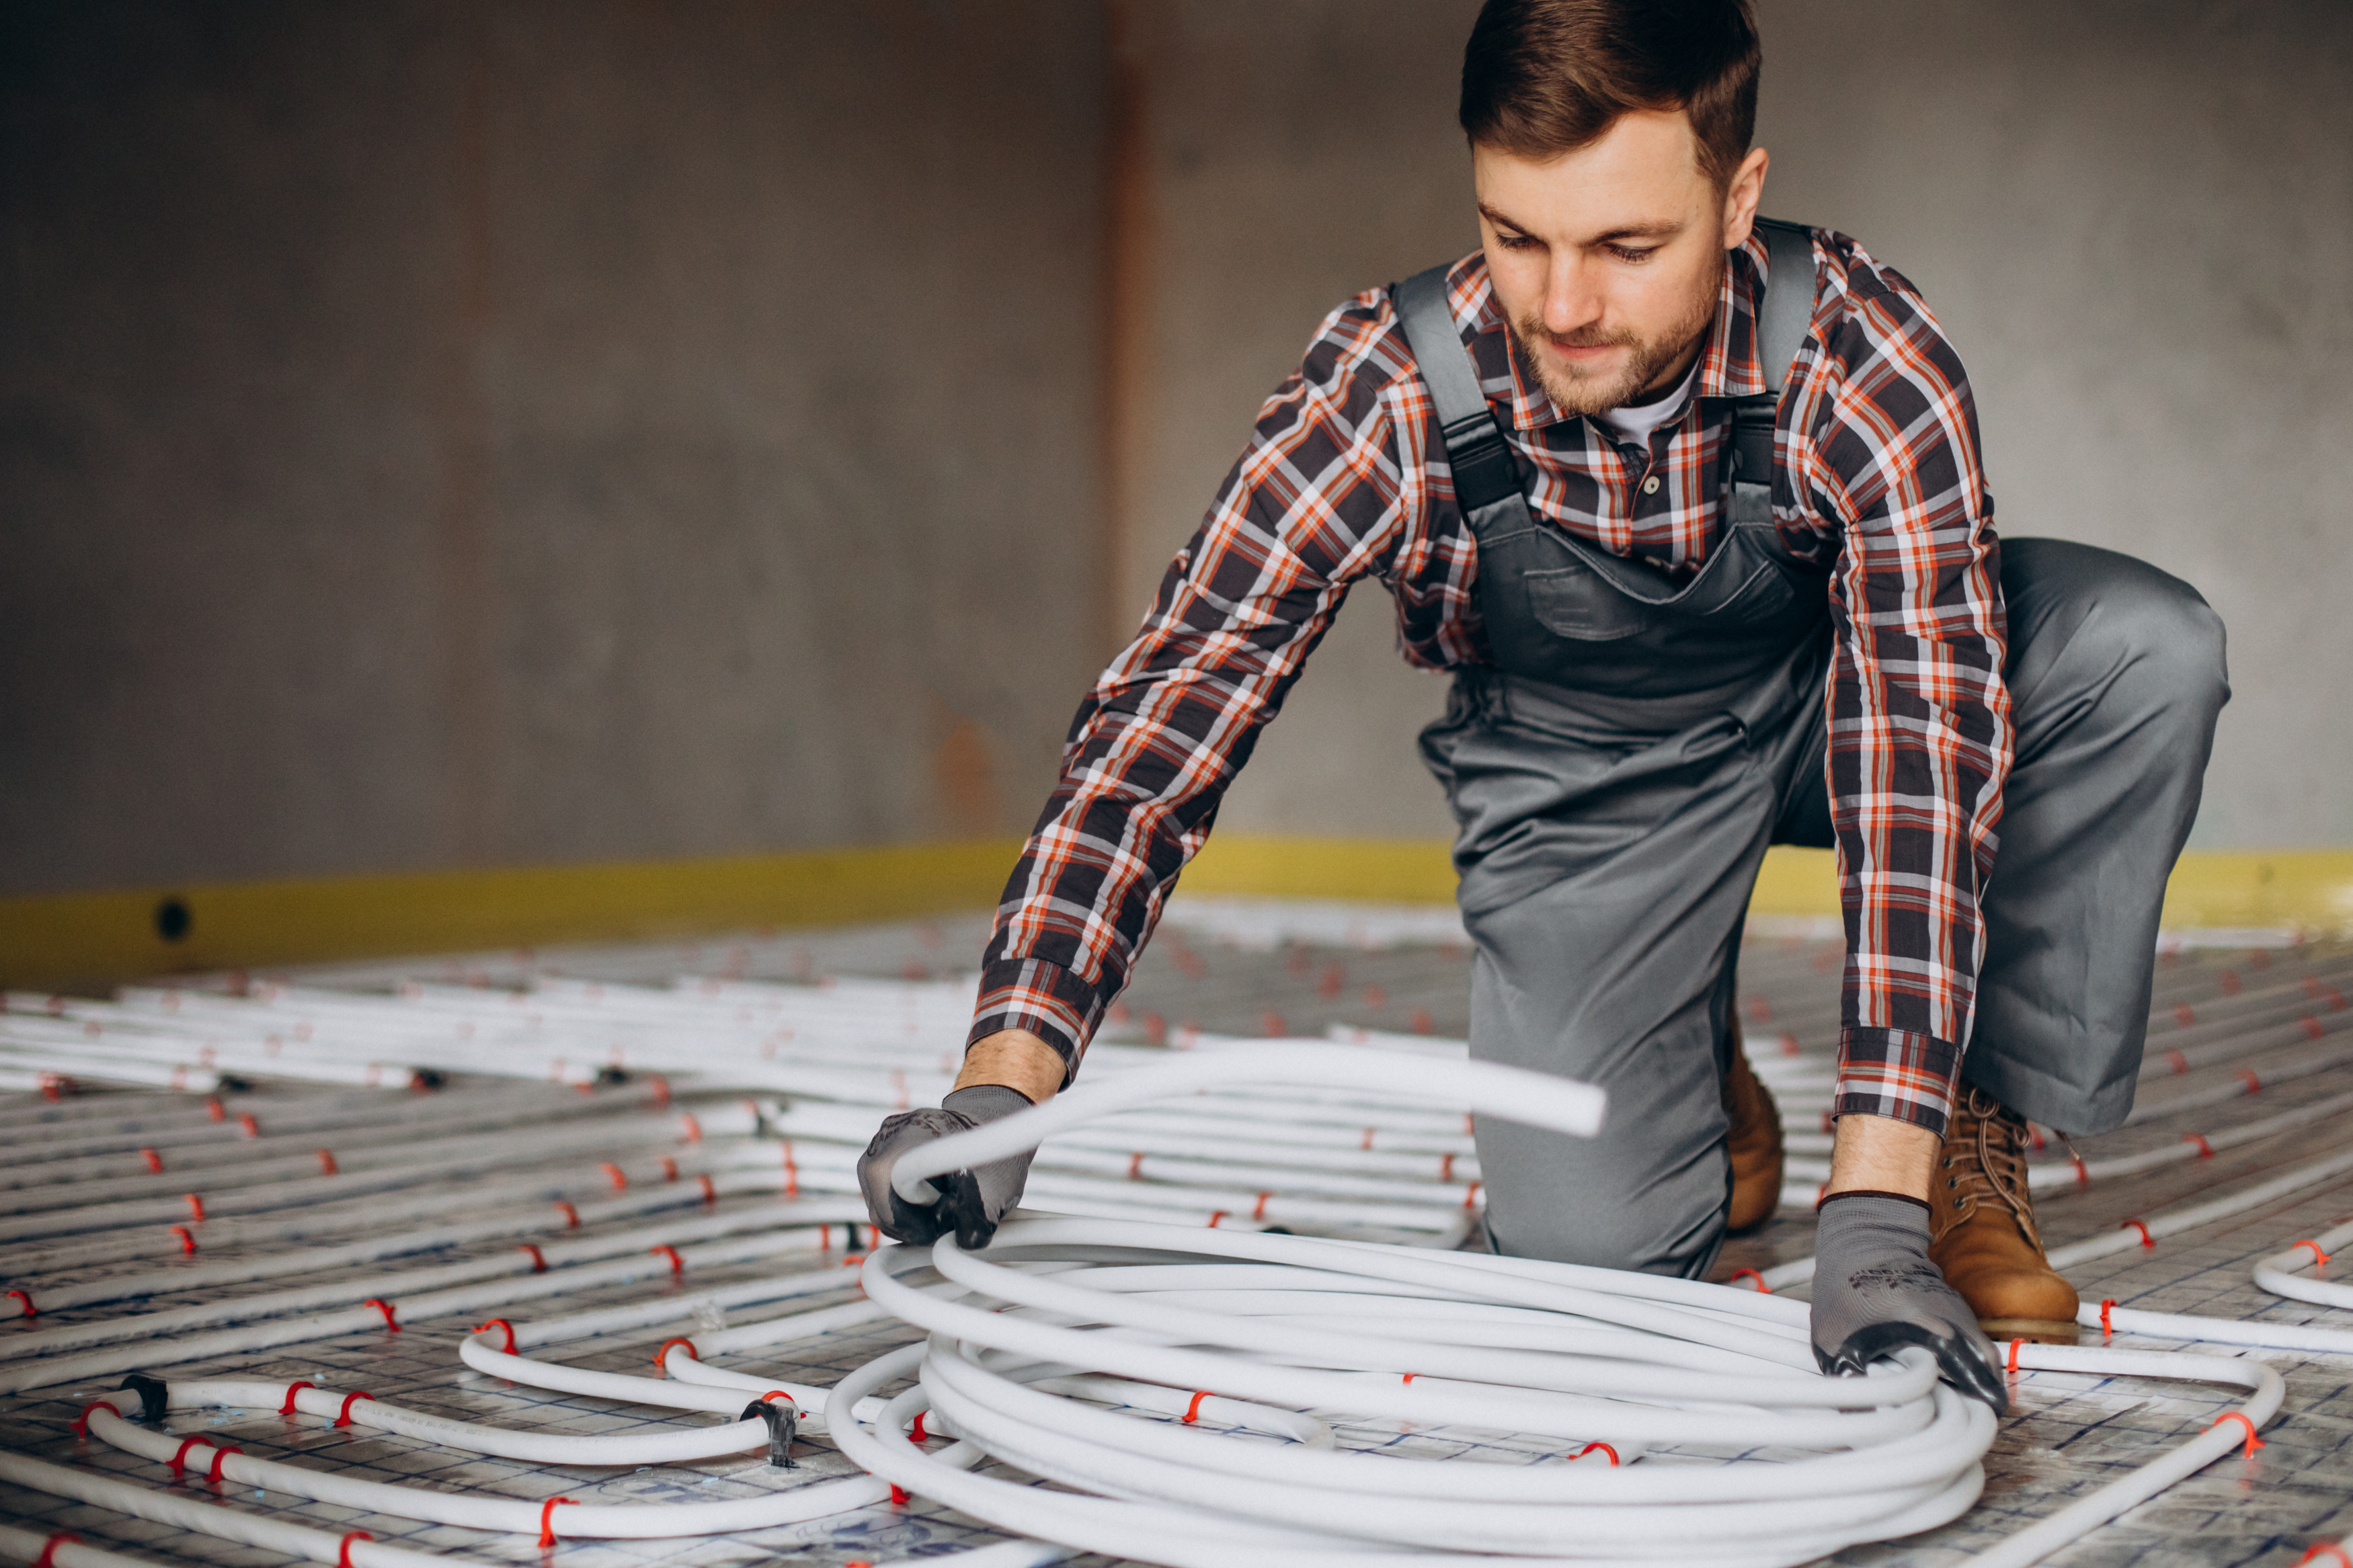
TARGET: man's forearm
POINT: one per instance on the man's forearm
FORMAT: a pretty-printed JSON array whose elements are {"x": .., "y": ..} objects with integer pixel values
[
  {"x": 1021, "y": 1061},
  {"x": 1876, "y": 1155}
]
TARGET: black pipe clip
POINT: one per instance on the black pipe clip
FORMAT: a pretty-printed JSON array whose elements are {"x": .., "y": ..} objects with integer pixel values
[
  {"x": 784, "y": 1425},
  {"x": 155, "y": 1400}
]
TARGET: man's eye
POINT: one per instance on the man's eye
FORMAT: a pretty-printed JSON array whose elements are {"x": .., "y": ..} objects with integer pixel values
[
  {"x": 1628, "y": 253},
  {"x": 1517, "y": 241}
]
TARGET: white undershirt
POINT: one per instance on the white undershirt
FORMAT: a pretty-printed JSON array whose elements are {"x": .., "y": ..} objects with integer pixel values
[{"x": 1635, "y": 424}]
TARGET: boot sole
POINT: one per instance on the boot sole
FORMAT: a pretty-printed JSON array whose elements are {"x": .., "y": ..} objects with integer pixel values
[{"x": 2033, "y": 1331}]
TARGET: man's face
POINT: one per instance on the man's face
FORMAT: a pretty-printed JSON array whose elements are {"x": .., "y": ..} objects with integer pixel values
[{"x": 1608, "y": 261}]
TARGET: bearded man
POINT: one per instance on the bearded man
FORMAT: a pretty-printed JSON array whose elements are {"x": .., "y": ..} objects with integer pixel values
[{"x": 1691, "y": 505}]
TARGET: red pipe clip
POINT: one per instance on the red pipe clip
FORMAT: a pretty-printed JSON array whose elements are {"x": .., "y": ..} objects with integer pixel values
[
  {"x": 327, "y": 1163},
  {"x": 48, "y": 1557},
  {"x": 538, "y": 1259},
  {"x": 81, "y": 1422},
  {"x": 2253, "y": 1442},
  {"x": 2205, "y": 1149},
  {"x": 2013, "y": 1356},
  {"x": 343, "y": 1416},
  {"x": 180, "y": 1458},
  {"x": 1193, "y": 1411},
  {"x": 2318, "y": 1550},
  {"x": 381, "y": 1305},
  {"x": 344, "y": 1553},
  {"x": 677, "y": 1264},
  {"x": 613, "y": 1174},
  {"x": 668, "y": 1168},
  {"x": 571, "y": 1215},
  {"x": 661, "y": 1356},
  {"x": 500, "y": 1324},
  {"x": 187, "y": 1240},
  {"x": 2247, "y": 1076},
  {"x": 220, "y": 1458},
  {"x": 690, "y": 1127},
  {"x": 1603, "y": 1446},
  {"x": 2319, "y": 1260},
  {"x": 710, "y": 1191},
  {"x": 546, "y": 1520},
  {"x": 25, "y": 1298},
  {"x": 292, "y": 1390},
  {"x": 2146, "y": 1239},
  {"x": 247, "y": 1126},
  {"x": 1752, "y": 1274},
  {"x": 196, "y": 1206},
  {"x": 154, "y": 1161},
  {"x": 2107, "y": 1328}
]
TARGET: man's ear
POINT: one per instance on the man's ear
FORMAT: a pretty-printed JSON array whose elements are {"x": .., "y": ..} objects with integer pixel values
[{"x": 1741, "y": 194}]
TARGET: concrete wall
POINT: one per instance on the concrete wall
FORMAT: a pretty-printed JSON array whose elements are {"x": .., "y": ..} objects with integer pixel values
[
  {"x": 2135, "y": 220},
  {"x": 438, "y": 431}
]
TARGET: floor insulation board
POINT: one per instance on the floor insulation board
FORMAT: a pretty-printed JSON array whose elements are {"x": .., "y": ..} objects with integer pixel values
[{"x": 2261, "y": 1031}]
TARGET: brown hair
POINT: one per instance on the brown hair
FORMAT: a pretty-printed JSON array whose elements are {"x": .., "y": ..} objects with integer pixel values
[{"x": 1541, "y": 78}]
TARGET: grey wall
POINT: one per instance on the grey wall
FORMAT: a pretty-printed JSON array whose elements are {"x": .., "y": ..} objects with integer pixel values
[
  {"x": 439, "y": 432},
  {"x": 436, "y": 432},
  {"x": 2134, "y": 216}
]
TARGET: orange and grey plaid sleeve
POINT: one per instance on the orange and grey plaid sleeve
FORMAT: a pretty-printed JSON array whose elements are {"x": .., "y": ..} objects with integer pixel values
[
  {"x": 1317, "y": 500},
  {"x": 1919, "y": 721}
]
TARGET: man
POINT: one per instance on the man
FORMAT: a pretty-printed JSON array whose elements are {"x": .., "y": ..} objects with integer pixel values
[{"x": 1693, "y": 509}]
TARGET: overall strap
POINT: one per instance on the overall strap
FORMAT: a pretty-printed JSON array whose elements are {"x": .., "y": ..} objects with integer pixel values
[
  {"x": 1784, "y": 316},
  {"x": 1475, "y": 448}
]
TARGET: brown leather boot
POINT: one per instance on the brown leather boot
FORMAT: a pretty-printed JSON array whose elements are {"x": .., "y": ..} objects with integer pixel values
[
  {"x": 1981, "y": 1227},
  {"x": 1754, "y": 1143}
]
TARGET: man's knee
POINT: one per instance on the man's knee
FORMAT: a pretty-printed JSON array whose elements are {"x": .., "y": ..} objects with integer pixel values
[
  {"x": 2140, "y": 633},
  {"x": 1674, "y": 1230}
]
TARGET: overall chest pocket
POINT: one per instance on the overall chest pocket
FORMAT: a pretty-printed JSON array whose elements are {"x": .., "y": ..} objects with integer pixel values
[{"x": 1572, "y": 601}]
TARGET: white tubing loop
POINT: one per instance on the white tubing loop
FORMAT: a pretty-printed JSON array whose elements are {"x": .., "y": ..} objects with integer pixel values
[
  {"x": 1528, "y": 1347},
  {"x": 2283, "y": 1274},
  {"x": 1536, "y": 1099}
]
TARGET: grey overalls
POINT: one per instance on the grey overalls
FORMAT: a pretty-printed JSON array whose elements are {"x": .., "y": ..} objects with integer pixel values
[{"x": 1618, "y": 772}]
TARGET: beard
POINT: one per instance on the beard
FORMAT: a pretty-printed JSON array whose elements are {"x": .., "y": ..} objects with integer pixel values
[{"x": 1575, "y": 391}]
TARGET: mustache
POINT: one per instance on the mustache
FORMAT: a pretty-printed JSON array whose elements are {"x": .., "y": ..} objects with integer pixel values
[{"x": 1531, "y": 329}]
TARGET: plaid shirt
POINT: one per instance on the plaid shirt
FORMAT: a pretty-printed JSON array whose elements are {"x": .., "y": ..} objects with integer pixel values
[{"x": 1345, "y": 477}]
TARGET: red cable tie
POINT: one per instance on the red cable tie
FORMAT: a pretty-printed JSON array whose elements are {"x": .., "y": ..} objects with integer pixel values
[
  {"x": 1193, "y": 1410},
  {"x": 668, "y": 1168},
  {"x": 343, "y": 1416},
  {"x": 2319, "y": 1260},
  {"x": 1471, "y": 1194},
  {"x": 1753, "y": 1275},
  {"x": 154, "y": 1160},
  {"x": 1135, "y": 1167},
  {"x": 1409, "y": 1377},
  {"x": 195, "y": 1205},
  {"x": 1260, "y": 1211},
  {"x": 292, "y": 1390},
  {"x": 327, "y": 1163},
  {"x": 661, "y": 1356},
  {"x": 613, "y": 1174},
  {"x": 2013, "y": 1356},
  {"x": 381, "y": 1305},
  {"x": 180, "y": 1458},
  {"x": 188, "y": 1239},
  {"x": 220, "y": 1458},
  {"x": 2146, "y": 1239},
  {"x": 1590, "y": 1447},
  {"x": 247, "y": 1126},
  {"x": 2205, "y": 1149},
  {"x": 898, "y": 1495},
  {"x": 344, "y": 1555},
  {"x": 48, "y": 1557},
  {"x": 2253, "y": 1442},
  {"x": 2083, "y": 1171},
  {"x": 571, "y": 1215},
  {"x": 81, "y": 1422},
  {"x": 1215, "y": 1216},
  {"x": 538, "y": 1259},
  {"x": 780, "y": 1393},
  {"x": 677, "y": 1264},
  {"x": 915, "y": 1433},
  {"x": 2107, "y": 1328},
  {"x": 547, "y": 1521},
  {"x": 2247, "y": 1076},
  {"x": 500, "y": 1324},
  {"x": 710, "y": 1191},
  {"x": 25, "y": 1298}
]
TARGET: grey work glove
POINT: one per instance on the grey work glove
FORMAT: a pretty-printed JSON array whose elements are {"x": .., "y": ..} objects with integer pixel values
[
  {"x": 1875, "y": 1292},
  {"x": 971, "y": 1201}
]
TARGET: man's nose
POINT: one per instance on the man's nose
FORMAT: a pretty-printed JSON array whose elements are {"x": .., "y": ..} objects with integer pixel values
[{"x": 1571, "y": 300}]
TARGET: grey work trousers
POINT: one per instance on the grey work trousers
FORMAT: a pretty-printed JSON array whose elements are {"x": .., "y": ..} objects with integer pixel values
[{"x": 1607, "y": 868}]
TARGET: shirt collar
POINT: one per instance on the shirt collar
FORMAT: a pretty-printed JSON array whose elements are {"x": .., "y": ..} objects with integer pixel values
[{"x": 1727, "y": 362}]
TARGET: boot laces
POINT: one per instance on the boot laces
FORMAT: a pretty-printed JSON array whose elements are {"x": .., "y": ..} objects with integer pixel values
[{"x": 1986, "y": 1163}]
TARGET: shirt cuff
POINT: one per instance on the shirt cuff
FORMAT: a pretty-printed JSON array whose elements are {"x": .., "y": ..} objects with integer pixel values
[
  {"x": 1897, "y": 1073},
  {"x": 1044, "y": 998}
]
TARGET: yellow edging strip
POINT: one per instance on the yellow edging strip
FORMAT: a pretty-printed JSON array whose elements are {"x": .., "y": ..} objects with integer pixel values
[
  {"x": 94, "y": 938},
  {"x": 84, "y": 938}
]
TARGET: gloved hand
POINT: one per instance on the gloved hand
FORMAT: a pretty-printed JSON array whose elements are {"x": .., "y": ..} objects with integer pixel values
[
  {"x": 1875, "y": 1291},
  {"x": 971, "y": 1201}
]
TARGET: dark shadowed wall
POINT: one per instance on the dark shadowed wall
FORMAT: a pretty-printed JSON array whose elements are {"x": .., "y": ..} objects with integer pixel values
[{"x": 446, "y": 433}]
